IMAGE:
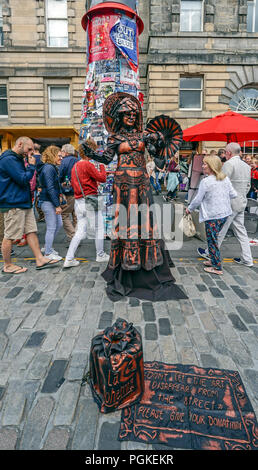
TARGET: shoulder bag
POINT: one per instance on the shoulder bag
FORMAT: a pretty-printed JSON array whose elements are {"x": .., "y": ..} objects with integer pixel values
[{"x": 92, "y": 201}]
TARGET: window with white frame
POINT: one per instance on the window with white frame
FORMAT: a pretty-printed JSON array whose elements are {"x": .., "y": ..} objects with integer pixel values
[
  {"x": 252, "y": 16},
  {"x": 57, "y": 23},
  {"x": 190, "y": 93},
  {"x": 191, "y": 15},
  {"x": 1, "y": 25},
  {"x": 3, "y": 101},
  {"x": 245, "y": 100},
  {"x": 59, "y": 101}
]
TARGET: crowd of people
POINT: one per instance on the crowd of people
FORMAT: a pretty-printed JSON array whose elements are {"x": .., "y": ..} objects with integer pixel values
[
  {"x": 47, "y": 184},
  {"x": 224, "y": 187},
  {"x": 222, "y": 199},
  {"x": 56, "y": 183}
]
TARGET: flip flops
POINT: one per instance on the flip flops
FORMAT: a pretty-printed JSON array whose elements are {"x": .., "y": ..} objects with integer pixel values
[
  {"x": 213, "y": 270},
  {"x": 19, "y": 270},
  {"x": 49, "y": 264},
  {"x": 207, "y": 263}
]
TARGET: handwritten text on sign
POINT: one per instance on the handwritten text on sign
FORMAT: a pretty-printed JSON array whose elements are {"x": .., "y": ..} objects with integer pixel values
[{"x": 192, "y": 407}]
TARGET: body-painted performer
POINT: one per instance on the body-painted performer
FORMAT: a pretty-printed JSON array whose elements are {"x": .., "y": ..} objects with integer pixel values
[{"x": 138, "y": 264}]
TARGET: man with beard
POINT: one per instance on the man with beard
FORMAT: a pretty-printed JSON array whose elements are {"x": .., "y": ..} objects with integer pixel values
[{"x": 16, "y": 204}]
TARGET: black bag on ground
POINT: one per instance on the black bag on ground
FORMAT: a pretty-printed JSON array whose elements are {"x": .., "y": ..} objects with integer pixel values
[{"x": 116, "y": 367}]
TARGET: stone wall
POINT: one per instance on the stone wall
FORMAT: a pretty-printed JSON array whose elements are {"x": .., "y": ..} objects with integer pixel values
[
  {"x": 27, "y": 66},
  {"x": 223, "y": 54}
]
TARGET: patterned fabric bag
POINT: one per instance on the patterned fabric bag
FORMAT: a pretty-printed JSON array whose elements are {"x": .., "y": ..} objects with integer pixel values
[{"x": 116, "y": 374}]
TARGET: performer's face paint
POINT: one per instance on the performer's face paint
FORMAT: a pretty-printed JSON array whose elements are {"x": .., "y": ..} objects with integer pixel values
[{"x": 129, "y": 118}]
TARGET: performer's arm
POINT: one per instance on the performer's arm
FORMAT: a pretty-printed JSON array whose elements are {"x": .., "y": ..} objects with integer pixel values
[{"x": 107, "y": 156}]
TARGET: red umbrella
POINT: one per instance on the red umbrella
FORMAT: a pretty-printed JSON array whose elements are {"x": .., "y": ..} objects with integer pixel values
[{"x": 226, "y": 127}]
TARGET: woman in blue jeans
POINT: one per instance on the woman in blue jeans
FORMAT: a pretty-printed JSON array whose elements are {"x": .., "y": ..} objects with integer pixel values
[{"x": 50, "y": 197}]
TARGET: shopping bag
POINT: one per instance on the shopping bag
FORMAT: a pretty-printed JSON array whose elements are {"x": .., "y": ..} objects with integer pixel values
[
  {"x": 187, "y": 226},
  {"x": 116, "y": 375}
]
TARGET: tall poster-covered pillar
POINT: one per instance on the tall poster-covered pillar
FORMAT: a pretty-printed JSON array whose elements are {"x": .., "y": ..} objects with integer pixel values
[{"x": 112, "y": 64}]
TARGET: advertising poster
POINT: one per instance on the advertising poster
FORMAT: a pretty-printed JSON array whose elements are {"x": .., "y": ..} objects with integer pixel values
[
  {"x": 100, "y": 45},
  {"x": 124, "y": 36}
]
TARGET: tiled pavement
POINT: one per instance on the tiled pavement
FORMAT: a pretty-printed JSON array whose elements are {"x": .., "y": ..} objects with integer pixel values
[{"x": 47, "y": 320}]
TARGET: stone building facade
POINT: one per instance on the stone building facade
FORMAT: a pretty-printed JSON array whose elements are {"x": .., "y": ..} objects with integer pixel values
[
  {"x": 216, "y": 57},
  {"x": 197, "y": 60},
  {"x": 31, "y": 70}
]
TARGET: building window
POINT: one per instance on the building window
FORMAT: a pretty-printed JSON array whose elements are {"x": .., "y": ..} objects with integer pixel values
[
  {"x": 245, "y": 101},
  {"x": 57, "y": 23},
  {"x": 3, "y": 101},
  {"x": 252, "y": 16},
  {"x": 191, "y": 13},
  {"x": 59, "y": 101},
  {"x": 1, "y": 25},
  {"x": 190, "y": 93}
]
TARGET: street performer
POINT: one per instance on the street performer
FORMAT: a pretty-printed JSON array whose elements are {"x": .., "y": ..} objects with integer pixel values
[{"x": 138, "y": 264}]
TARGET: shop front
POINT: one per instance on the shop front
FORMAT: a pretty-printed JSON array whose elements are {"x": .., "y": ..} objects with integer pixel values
[{"x": 44, "y": 135}]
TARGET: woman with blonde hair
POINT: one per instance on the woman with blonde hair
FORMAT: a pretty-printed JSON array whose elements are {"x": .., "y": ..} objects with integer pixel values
[
  {"x": 213, "y": 199},
  {"x": 50, "y": 197}
]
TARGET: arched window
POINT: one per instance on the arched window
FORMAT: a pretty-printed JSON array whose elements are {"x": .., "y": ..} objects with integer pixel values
[{"x": 245, "y": 100}]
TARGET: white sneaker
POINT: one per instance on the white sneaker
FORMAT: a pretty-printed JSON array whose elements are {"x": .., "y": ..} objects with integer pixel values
[
  {"x": 53, "y": 252},
  {"x": 71, "y": 263},
  {"x": 102, "y": 258},
  {"x": 53, "y": 256}
]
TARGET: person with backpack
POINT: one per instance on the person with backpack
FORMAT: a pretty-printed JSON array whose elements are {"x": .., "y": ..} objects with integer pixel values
[{"x": 67, "y": 163}]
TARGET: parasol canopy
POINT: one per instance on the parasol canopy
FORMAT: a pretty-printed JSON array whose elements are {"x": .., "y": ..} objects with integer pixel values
[{"x": 226, "y": 127}]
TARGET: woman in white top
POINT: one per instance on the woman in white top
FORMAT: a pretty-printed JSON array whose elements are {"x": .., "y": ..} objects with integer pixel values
[{"x": 213, "y": 199}]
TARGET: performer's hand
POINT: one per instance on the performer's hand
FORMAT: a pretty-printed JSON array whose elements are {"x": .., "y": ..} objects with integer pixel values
[
  {"x": 187, "y": 211},
  {"x": 87, "y": 150}
]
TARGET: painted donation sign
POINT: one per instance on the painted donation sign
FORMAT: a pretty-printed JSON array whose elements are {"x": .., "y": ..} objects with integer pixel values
[
  {"x": 112, "y": 60},
  {"x": 189, "y": 407}
]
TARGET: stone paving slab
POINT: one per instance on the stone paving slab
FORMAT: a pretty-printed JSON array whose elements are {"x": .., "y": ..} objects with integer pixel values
[{"x": 47, "y": 321}]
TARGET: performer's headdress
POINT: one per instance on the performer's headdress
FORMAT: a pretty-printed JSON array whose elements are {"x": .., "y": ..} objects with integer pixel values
[{"x": 116, "y": 105}]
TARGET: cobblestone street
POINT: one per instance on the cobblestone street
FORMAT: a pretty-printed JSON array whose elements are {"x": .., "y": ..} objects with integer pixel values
[{"x": 48, "y": 319}]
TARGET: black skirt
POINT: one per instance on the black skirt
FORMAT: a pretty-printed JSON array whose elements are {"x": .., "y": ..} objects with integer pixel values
[{"x": 155, "y": 285}]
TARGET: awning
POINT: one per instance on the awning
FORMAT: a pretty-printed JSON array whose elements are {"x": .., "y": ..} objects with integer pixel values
[{"x": 11, "y": 133}]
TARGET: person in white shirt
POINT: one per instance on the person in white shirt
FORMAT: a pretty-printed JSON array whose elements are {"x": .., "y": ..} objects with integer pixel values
[
  {"x": 213, "y": 199},
  {"x": 239, "y": 174}
]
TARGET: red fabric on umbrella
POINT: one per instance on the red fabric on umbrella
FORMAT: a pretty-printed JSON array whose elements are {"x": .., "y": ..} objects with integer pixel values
[{"x": 226, "y": 127}]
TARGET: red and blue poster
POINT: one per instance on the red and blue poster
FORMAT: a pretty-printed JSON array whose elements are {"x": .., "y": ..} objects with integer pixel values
[{"x": 124, "y": 36}]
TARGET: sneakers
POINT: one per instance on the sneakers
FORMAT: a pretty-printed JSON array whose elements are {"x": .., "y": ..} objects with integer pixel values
[
  {"x": 103, "y": 257},
  {"x": 239, "y": 261},
  {"x": 53, "y": 252},
  {"x": 53, "y": 256},
  {"x": 71, "y": 263},
  {"x": 202, "y": 253}
]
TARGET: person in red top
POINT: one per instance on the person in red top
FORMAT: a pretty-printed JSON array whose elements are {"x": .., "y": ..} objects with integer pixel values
[
  {"x": 84, "y": 180},
  {"x": 254, "y": 178}
]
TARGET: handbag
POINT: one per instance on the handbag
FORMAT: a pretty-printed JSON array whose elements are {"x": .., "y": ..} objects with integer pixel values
[
  {"x": 92, "y": 201},
  {"x": 116, "y": 375},
  {"x": 187, "y": 226}
]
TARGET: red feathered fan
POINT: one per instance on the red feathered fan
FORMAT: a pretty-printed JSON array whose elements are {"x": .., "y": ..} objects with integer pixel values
[{"x": 171, "y": 131}]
